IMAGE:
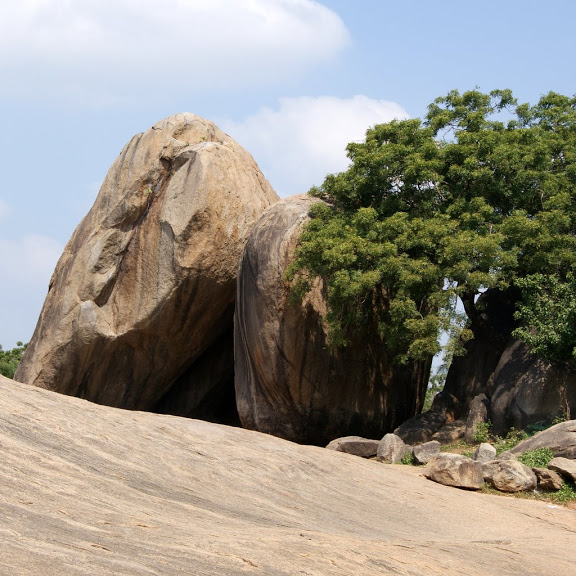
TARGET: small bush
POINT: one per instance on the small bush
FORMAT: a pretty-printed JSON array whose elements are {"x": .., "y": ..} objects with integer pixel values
[
  {"x": 537, "y": 458},
  {"x": 566, "y": 494},
  {"x": 512, "y": 438},
  {"x": 408, "y": 459},
  {"x": 482, "y": 433}
]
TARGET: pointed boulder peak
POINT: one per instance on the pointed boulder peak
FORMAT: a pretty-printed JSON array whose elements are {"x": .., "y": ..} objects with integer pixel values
[{"x": 146, "y": 285}]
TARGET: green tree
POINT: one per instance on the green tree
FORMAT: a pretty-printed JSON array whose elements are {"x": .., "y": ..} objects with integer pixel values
[
  {"x": 477, "y": 195},
  {"x": 9, "y": 359}
]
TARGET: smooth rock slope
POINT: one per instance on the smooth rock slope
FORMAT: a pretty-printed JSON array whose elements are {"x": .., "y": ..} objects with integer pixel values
[
  {"x": 143, "y": 296},
  {"x": 88, "y": 489}
]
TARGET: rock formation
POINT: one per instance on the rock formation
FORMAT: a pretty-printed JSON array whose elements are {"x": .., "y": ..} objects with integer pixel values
[
  {"x": 561, "y": 439},
  {"x": 143, "y": 295},
  {"x": 289, "y": 382},
  {"x": 527, "y": 389},
  {"x": 88, "y": 489},
  {"x": 515, "y": 387}
]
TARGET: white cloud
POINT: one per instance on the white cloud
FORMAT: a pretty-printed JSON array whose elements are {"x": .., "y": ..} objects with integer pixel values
[
  {"x": 305, "y": 139},
  {"x": 111, "y": 49},
  {"x": 27, "y": 265}
]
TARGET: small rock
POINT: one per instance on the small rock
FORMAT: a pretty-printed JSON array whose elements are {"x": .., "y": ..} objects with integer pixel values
[
  {"x": 455, "y": 470},
  {"x": 484, "y": 453},
  {"x": 478, "y": 413},
  {"x": 423, "y": 453},
  {"x": 509, "y": 476},
  {"x": 564, "y": 466},
  {"x": 391, "y": 449},
  {"x": 548, "y": 479},
  {"x": 356, "y": 445}
]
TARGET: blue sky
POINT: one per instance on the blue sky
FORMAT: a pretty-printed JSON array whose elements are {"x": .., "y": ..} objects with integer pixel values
[{"x": 291, "y": 80}]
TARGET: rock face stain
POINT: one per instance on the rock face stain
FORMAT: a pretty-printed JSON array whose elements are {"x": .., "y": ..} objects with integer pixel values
[{"x": 146, "y": 285}]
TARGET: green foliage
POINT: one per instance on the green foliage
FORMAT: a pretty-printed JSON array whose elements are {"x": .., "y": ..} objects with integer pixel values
[
  {"x": 9, "y": 359},
  {"x": 408, "y": 459},
  {"x": 511, "y": 439},
  {"x": 566, "y": 494},
  {"x": 479, "y": 194},
  {"x": 537, "y": 458},
  {"x": 483, "y": 432}
]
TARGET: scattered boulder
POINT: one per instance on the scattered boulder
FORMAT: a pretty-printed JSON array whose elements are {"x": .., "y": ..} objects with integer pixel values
[
  {"x": 455, "y": 470},
  {"x": 509, "y": 475},
  {"x": 478, "y": 413},
  {"x": 450, "y": 433},
  {"x": 561, "y": 439},
  {"x": 507, "y": 455},
  {"x": 423, "y": 453},
  {"x": 363, "y": 447},
  {"x": 145, "y": 288},
  {"x": 529, "y": 389},
  {"x": 420, "y": 428},
  {"x": 392, "y": 449},
  {"x": 289, "y": 381},
  {"x": 548, "y": 480},
  {"x": 564, "y": 466},
  {"x": 484, "y": 453}
]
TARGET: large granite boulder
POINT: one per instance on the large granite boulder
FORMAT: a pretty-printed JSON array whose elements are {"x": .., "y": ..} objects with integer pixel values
[
  {"x": 143, "y": 295},
  {"x": 561, "y": 439},
  {"x": 289, "y": 382},
  {"x": 528, "y": 389}
]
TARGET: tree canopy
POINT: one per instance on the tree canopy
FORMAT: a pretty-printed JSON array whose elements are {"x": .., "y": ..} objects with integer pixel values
[
  {"x": 477, "y": 195},
  {"x": 9, "y": 359}
]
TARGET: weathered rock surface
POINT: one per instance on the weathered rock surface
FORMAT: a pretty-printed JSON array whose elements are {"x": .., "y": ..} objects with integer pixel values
[
  {"x": 145, "y": 288},
  {"x": 478, "y": 413},
  {"x": 507, "y": 455},
  {"x": 528, "y": 389},
  {"x": 450, "y": 433},
  {"x": 548, "y": 479},
  {"x": 289, "y": 382},
  {"x": 422, "y": 427},
  {"x": 561, "y": 439},
  {"x": 492, "y": 322},
  {"x": 88, "y": 489},
  {"x": 509, "y": 475},
  {"x": 423, "y": 453},
  {"x": 564, "y": 467},
  {"x": 484, "y": 453},
  {"x": 392, "y": 449},
  {"x": 455, "y": 470},
  {"x": 363, "y": 447}
]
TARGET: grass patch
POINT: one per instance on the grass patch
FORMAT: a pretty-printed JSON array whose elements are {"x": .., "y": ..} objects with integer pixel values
[{"x": 537, "y": 458}]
